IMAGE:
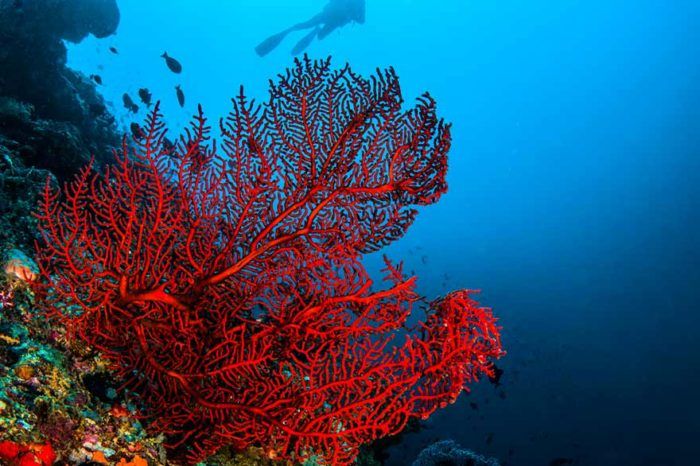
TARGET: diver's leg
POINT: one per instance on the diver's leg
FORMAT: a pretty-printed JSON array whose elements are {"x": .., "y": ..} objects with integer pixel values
[
  {"x": 269, "y": 44},
  {"x": 325, "y": 30},
  {"x": 313, "y": 22},
  {"x": 305, "y": 41}
]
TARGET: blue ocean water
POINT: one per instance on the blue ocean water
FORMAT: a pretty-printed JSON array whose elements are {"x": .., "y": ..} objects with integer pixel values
[{"x": 573, "y": 202}]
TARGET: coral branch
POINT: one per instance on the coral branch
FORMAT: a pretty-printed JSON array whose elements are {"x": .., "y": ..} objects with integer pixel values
[{"x": 224, "y": 283}]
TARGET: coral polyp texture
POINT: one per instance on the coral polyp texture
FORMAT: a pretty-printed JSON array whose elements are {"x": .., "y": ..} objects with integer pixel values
[{"x": 224, "y": 281}]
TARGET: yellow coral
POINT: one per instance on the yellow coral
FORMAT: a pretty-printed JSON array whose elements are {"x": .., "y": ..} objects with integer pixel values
[
  {"x": 9, "y": 340},
  {"x": 24, "y": 372}
]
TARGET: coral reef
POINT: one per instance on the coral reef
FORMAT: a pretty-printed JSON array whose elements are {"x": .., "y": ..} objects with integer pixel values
[
  {"x": 19, "y": 193},
  {"x": 224, "y": 282},
  {"x": 449, "y": 453},
  {"x": 56, "y": 397}
]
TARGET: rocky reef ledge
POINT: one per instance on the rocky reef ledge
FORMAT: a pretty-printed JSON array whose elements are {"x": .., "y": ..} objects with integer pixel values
[{"x": 52, "y": 119}]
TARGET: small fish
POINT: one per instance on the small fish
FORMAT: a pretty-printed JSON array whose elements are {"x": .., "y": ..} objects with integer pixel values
[
  {"x": 168, "y": 148},
  {"x": 497, "y": 374},
  {"x": 474, "y": 406},
  {"x": 136, "y": 131},
  {"x": 180, "y": 96},
  {"x": 97, "y": 78},
  {"x": 145, "y": 96},
  {"x": 173, "y": 64},
  {"x": 129, "y": 104},
  {"x": 114, "y": 50},
  {"x": 489, "y": 438}
]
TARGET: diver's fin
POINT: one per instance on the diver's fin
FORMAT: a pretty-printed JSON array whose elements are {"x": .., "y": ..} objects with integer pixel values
[
  {"x": 305, "y": 41},
  {"x": 270, "y": 43}
]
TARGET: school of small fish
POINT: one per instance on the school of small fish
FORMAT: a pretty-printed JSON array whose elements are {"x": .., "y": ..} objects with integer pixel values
[{"x": 144, "y": 94}]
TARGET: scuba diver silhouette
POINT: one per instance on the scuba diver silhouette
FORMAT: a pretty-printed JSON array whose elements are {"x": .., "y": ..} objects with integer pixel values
[{"x": 335, "y": 14}]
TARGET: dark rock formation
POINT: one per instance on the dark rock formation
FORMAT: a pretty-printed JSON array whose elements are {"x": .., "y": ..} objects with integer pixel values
[
  {"x": 51, "y": 118},
  {"x": 33, "y": 55}
]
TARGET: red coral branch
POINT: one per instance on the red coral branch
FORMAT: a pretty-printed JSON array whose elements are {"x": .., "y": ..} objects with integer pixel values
[{"x": 225, "y": 284}]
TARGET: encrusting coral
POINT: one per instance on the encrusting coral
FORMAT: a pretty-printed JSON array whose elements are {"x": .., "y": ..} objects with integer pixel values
[{"x": 49, "y": 406}]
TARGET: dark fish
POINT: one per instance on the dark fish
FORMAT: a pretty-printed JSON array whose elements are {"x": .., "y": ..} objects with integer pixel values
[
  {"x": 497, "y": 373},
  {"x": 114, "y": 50},
  {"x": 136, "y": 131},
  {"x": 502, "y": 395},
  {"x": 173, "y": 64},
  {"x": 474, "y": 406},
  {"x": 168, "y": 148},
  {"x": 129, "y": 104},
  {"x": 561, "y": 461},
  {"x": 96, "y": 78},
  {"x": 145, "y": 96},
  {"x": 489, "y": 438},
  {"x": 180, "y": 96}
]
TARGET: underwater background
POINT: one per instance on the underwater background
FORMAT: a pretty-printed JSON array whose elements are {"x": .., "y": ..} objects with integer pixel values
[{"x": 574, "y": 189}]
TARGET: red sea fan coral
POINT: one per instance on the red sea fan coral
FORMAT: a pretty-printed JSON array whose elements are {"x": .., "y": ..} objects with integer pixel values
[{"x": 224, "y": 282}]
